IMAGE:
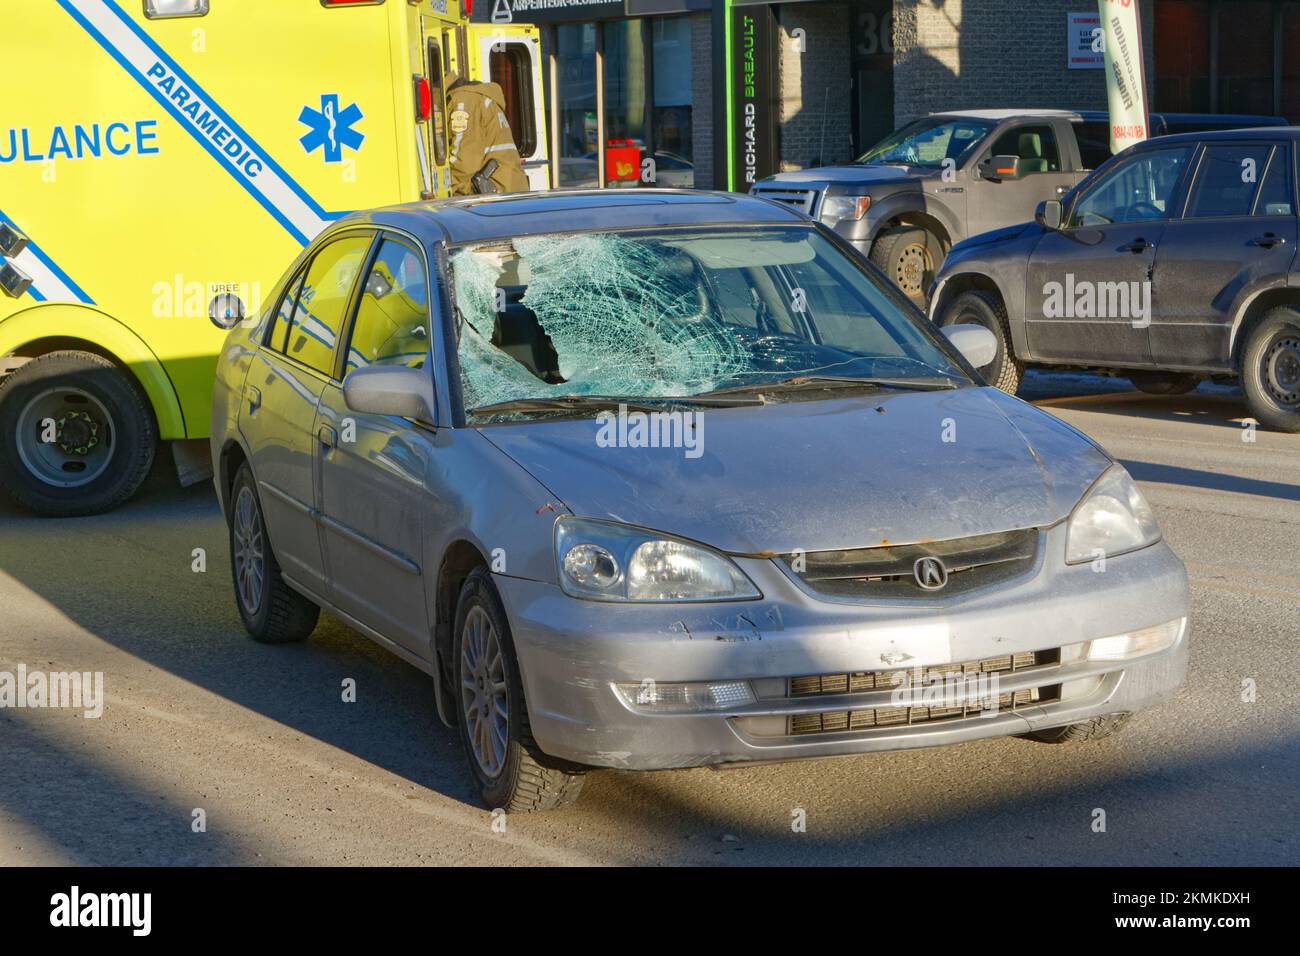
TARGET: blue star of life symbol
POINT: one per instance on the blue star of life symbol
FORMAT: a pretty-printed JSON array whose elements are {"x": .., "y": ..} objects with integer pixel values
[{"x": 331, "y": 128}]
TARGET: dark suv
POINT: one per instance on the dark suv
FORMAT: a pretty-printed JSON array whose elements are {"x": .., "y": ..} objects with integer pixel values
[
  {"x": 951, "y": 175},
  {"x": 1174, "y": 261}
]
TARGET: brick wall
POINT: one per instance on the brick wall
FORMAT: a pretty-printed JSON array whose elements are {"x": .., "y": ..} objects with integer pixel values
[
  {"x": 970, "y": 54},
  {"x": 813, "y": 101},
  {"x": 702, "y": 99}
]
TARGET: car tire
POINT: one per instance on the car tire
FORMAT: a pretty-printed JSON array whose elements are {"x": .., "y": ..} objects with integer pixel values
[
  {"x": 1096, "y": 729},
  {"x": 977, "y": 307},
  {"x": 512, "y": 774},
  {"x": 1270, "y": 370},
  {"x": 272, "y": 612},
  {"x": 1164, "y": 383},
  {"x": 910, "y": 257},
  {"x": 103, "y": 446}
]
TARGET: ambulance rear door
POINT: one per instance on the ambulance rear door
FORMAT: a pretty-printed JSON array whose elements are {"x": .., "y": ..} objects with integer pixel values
[
  {"x": 511, "y": 57},
  {"x": 439, "y": 56}
]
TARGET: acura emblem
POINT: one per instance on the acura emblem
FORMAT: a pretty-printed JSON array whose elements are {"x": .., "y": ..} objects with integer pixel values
[{"x": 930, "y": 573}]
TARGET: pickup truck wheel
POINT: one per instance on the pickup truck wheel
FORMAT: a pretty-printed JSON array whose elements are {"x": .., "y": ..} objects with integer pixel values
[
  {"x": 272, "y": 612},
  {"x": 76, "y": 435},
  {"x": 983, "y": 308},
  {"x": 1164, "y": 383},
  {"x": 511, "y": 772},
  {"x": 1095, "y": 729},
  {"x": 1270, "y": 370},
  {"x": 910, "y": 257}
]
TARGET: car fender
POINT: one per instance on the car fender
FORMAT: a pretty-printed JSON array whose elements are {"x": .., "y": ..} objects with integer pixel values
[
  {"x": 915, "y": 201},
  {"x": 1247, "y": 297},
  {"x": 61, "y": 320}
]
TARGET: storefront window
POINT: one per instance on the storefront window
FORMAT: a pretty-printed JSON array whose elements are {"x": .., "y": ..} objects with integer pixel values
[
  {"x": 1245, "y": 57},
  {"x": 671, "y": 118},
  {"x": 575, "y": 50},
  {"x": 1182, "y": 56},
  {"x": 625, "y": 101}
]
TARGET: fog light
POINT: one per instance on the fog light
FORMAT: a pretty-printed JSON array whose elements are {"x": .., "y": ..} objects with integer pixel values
[
  {"x": 1136, "y": 643},
  {"x": 685, "y": 698}
]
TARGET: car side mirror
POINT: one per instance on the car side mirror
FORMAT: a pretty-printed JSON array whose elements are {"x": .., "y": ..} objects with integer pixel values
[
  {"x": 998, "y": 168},
  {"x": 977, "y": 345},
  {"x": 390, "y": 390},
  {"x": 1049, "y": 213}
]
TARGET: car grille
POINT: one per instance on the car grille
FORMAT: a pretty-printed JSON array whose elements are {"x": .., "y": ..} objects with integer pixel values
[
  {"x": 887, "y": 572},
  {"x": 866, "y": 718},
  {"x": 805, "y": 200}
]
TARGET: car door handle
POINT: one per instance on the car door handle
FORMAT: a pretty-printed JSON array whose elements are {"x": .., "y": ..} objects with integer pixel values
[
  {"x": 1136, "y": 246},
  {"x": 254, "y": 397},
  {"x": 1268, "y": 240},
  {"x": 328, "y": 436}
]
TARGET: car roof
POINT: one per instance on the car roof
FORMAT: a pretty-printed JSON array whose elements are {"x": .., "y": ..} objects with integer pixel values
[
  {"x": 1247, "y": 132},
  {"x": 486, "y": 218},
  {"x": 1008, "y": 114}
]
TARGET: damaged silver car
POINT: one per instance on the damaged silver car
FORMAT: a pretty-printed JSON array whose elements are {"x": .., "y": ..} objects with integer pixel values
[{"x": 668, "y": 479}]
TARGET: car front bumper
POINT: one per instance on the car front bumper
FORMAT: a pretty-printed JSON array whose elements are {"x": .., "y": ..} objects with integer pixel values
[{"x": 573, "y": 652}]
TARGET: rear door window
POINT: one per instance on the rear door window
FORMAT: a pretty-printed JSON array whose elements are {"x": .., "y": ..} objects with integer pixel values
[
  {"x": 1277, "y": 192},
  {"x": 1227, "y": 179},
  {"x": 323, "y": 301}
]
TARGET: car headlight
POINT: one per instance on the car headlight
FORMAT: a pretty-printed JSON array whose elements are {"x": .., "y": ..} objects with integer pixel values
[
  {"x": 1113, "y": 518},
  {"x": 608, "y": 561},
  {"x": 839, "y": 208}
]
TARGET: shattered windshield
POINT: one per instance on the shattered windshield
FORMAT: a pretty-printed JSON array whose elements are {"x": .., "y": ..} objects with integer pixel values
[
  {"x": 928, "y": 142},
  {"x": 673, "y": 314}
]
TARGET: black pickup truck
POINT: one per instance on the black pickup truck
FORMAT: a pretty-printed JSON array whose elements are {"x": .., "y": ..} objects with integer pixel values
[{"x": 952, "y": 175}]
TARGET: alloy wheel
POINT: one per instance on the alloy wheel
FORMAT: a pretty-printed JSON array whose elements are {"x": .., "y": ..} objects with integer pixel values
[
  {"x": 250, "y": 550},
  {"x": 483, "y": 692}
]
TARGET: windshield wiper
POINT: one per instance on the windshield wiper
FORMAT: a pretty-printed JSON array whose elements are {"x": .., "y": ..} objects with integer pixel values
[
  {"x": 813, "y": 382},
  {"x": 563, "y": 403}
]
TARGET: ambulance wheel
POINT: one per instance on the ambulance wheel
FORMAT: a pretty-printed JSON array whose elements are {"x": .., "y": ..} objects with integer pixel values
[{"x": 76, "y": 435}]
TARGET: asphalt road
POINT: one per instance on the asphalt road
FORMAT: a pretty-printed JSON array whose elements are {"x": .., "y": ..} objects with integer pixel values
[{"x": 199, "y": 717}]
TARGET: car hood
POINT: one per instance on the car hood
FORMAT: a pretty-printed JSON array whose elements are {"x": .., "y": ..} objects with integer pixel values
[
  {"x": 819, "y": 475},
  {"x": 851, "y": 175},
  {"x": 993, "y": 236}
]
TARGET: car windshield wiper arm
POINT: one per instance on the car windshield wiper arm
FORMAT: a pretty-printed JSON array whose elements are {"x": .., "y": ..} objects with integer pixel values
[
  {"x": 798, "y": 382},
  {"x": 562, "y": 403}
]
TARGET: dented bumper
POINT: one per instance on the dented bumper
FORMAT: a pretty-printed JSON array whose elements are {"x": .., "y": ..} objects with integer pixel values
[{"x": 573, "y": 653}]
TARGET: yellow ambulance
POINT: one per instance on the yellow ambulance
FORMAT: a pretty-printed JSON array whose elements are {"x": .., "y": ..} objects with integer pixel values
[{"x": 166, "y": 161}]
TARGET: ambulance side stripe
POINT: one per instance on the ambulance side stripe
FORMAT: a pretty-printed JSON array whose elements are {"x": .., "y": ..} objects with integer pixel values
[
  {"x": 49, "y": 282},
  {"x": 137, "y": 53}
]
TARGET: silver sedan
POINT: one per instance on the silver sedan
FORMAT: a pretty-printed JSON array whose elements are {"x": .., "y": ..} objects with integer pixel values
[{"x": 663, "y": 479}]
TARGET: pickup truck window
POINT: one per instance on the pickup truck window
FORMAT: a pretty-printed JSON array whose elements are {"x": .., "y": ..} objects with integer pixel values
[
  {"x": 1036, "y": 145},
  {"x": 928, "y": 142}
]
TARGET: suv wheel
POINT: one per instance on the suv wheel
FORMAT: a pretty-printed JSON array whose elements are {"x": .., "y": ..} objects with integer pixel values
[
  {"x": 272, "y": 612},
  {"x": 511, "y": 772},
  {"x": 984, "y": 308},
  {"x": 1164, "y": 383},
  {"x": 1270, "y": 370},
  {"x": 76, "y": 435},
  {"x": 910, "y": 257}
]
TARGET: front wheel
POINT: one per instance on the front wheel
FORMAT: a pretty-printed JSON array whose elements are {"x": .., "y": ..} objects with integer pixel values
[
  {"x": 984, "y": 308},
  {"x": 1096, "y": 729},
  {"x": 511, "y": 772},
  {"x": 910, "y": 257},
  {"x": 1270, "y": 370},
  {"x": 77, "y": 437}
]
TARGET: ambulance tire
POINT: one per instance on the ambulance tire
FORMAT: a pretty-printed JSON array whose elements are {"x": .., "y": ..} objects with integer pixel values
[{"x": 107, "y": 428}]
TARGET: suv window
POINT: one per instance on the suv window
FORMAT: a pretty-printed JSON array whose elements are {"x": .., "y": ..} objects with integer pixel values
[
  {"x": 392, "y": 326},
  {"x": 323, "y": 301},
  {"x": 1035, "y": 145},
  {"x": 1138, "y": 190},
  {"x": 1227, "y": 178},
  {"x": 1276, "y": 194}
]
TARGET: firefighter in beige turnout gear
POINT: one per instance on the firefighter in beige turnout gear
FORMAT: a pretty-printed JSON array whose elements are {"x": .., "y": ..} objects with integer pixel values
[{"x": 480, "y": 134}]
